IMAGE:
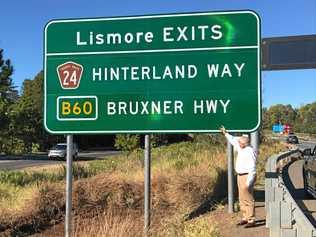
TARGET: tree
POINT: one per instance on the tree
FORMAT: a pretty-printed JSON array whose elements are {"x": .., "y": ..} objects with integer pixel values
[
  {"x": 6, "y": 71},
  {"x": 265, "y": 119},
  {"x": 279, "y": 113},
  {"x": 27, "y": 113},
  {"x": 302, "y": 119},
  {"x": 306, "y": 119},
  {"x": 6, "y": 88}
]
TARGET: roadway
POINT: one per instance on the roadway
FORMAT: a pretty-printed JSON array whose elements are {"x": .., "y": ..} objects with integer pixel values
[
  {"x": 293, "y": 177},
  {"x": 307, "y": 144},
  {"x": 27, "y": 161}
]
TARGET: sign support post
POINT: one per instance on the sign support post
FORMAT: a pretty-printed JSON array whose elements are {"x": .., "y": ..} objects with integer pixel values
[
  {"x": 147, "y": 198},
  {"x": 68, "y": 216},
  {"x": 254, "y": 140},
  {"x": 230, "y": 170}
]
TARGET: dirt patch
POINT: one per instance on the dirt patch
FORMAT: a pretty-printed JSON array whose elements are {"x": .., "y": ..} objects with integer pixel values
[{"x": 226, "y": 223}]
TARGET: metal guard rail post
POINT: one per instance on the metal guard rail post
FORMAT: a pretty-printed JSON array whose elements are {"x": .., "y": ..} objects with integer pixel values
[{"x": 284, "y": 217}]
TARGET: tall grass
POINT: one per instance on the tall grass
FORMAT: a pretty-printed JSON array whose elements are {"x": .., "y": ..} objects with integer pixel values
[
  {"x": 108, "y": 194},
  {"x": 267, "y": 149},
  {"x": 24, "y": 178},
  {"x": 109, "y": 224},
  {"x": 201, "y": 226}
]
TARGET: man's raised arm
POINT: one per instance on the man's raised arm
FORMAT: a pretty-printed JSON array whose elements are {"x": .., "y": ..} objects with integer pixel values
[{"x": 230, "y": 138}]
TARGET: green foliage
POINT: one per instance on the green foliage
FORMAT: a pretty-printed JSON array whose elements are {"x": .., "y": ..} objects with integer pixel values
[
  {"x": 26, "y": 116},
  {"x": 200, "y": 228},
  {"x": 279, "y": 114},
  {"x": 179, "y": 156},
  {"x": 6, "y": 71},
  {"x": 306, "y": 119},
  {"x": 127, "y": 142},
  {"x": 23, "y": 178},
  {"x": 109, "y": 165},
  {"x": 35, "y": 147},
  {"x": 13, "y": 145},
  {"x": 80, "y": 171},
  {"x": 6, "y": 89},
  {"x": 209, "y": 139},
  {"x": 158, "y": 140},
  {"x": 302, "y": 119}
]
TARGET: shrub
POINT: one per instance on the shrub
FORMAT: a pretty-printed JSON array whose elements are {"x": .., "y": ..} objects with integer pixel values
[
  {"x": 158, "y": 140},
  {"x": 127, "y": 142},
  {"x": 35, "y": 147},
  {"x": 13, "y": 146},
  {"x": 209, "y": 139}
]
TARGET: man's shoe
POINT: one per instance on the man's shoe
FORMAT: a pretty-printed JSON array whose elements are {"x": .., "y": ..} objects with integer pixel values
[
  {"x": 242, "y": 222},
  {"x": 250, "y": 224}
]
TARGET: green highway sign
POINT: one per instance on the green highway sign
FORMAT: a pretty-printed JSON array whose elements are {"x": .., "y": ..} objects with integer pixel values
[{"x": 175, "y": 73}]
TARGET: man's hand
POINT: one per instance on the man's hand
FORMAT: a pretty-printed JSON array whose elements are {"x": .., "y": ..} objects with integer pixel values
[
  {"x": 251, "y": 178},
  {"x": 223, "y": 130}
]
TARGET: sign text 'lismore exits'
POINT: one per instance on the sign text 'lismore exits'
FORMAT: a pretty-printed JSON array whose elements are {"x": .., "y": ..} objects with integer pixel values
[
  {"x": 168, "y": 73},
  {"x": 169, "y": 34}
]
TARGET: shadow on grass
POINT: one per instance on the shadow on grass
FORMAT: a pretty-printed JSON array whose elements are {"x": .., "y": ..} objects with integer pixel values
[{"x": 218, "y": 195}]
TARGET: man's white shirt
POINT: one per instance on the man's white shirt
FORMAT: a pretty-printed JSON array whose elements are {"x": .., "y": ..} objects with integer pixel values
[{"x": 246, "y": 159}]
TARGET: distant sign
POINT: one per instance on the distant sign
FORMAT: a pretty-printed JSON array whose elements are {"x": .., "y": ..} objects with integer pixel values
[
  {"x": 290, "y": 52},
  {"x": 149, "y": 74},
  {"x": 277, "y": 128}
]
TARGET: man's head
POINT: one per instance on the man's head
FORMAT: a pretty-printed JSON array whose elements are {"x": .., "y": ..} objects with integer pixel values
[{"x": 243, "y": 141}]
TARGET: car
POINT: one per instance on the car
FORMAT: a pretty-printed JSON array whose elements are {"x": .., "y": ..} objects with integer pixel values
[
  {"x": 309, "y": 171},
  {"x": 59, "y": 151},
  {"x": 292, "y": 139}
]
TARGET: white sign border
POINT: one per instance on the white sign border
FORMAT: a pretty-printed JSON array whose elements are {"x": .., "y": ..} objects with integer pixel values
[{"x": 146, "y": 17}]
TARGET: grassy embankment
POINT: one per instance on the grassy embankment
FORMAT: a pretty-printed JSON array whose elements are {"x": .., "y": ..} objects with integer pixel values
[{"x": 188, "y": 179}]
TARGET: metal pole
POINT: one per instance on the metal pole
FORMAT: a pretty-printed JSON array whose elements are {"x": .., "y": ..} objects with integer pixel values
[
  {"x": 147, "y": 184},
  {"x": 254, "y": 140},
  {"x": 230, "y": 170},
  {"x": 68, "y": 219}
]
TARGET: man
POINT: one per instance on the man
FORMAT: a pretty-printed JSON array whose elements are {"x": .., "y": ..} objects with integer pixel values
[{"x": 246, "y": 175}]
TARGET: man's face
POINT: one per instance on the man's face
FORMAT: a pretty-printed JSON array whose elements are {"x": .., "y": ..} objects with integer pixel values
[{"x": 242, "y": 143}]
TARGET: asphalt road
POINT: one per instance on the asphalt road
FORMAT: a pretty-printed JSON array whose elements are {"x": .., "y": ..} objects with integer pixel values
[
  {"x": 306, "y": 203},
  {"x": 302, "y": 142},
  {"x": 296, "y": 186},
  {"x": 307, "y": 144},
  {"x": 22, "y": 162}
]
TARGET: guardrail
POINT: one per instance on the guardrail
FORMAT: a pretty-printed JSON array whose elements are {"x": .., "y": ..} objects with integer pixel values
[{"x": 284, "y": 217}]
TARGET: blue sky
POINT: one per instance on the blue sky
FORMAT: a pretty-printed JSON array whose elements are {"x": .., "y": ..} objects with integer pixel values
[{"x": 22, "y": 24}]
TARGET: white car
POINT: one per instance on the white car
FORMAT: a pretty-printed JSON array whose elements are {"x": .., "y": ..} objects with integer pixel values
[{"x": 60, "y": 151}]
